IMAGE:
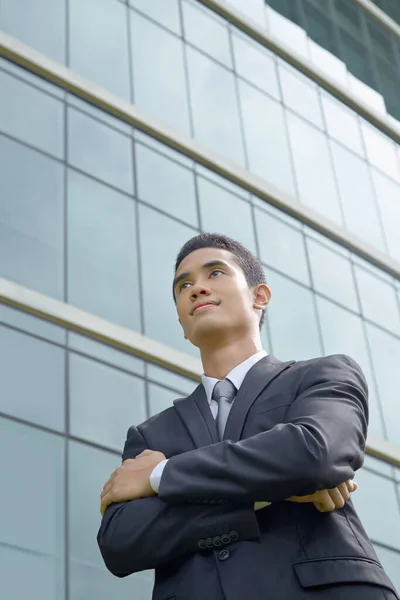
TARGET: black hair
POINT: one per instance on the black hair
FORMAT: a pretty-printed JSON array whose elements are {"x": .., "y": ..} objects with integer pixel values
[{"x": 250, "y": 265}]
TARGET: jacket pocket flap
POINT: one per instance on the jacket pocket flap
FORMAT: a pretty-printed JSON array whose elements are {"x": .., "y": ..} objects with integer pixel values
[{"x": 326, "y": 571}]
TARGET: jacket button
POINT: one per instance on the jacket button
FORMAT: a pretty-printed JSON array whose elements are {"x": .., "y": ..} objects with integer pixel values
[
  {"x": 217, "y": 541},
  {"x": 234, "y": 535},
  {"x": 223, "y": 555},
  {"x": 209, "y": 542},
  {"x": 202, "y": 544},
  {"x": 226, "y": 539}
]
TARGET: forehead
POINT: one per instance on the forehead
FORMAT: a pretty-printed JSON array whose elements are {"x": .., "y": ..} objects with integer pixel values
[{"x": 196, "y": 259}]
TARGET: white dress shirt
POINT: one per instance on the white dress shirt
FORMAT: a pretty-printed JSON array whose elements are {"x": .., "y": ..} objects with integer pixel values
[{"x": 236, "y": 376}]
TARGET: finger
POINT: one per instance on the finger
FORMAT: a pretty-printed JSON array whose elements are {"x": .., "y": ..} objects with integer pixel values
[
  {"x": 326, "y": 501},
  {"x": 351, "y": 485},
  {"x": 106, "y": 489},
  {"x": 319, "y": 506},
  {"x": 145, "y": 453},
  {"x": 105, "y": 502},
  {"x": 337, "y": 498},
  {"x": 343, "y": 489}
]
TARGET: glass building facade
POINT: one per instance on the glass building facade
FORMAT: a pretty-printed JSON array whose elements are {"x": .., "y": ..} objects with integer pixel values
[{"x": 127, "y": 127}]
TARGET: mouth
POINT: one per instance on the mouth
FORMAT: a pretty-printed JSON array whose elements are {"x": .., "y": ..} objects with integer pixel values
[{"x": 202, "y": 307}]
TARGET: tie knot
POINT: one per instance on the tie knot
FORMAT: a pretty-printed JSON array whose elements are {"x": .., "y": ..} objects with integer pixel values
[{"x": 224, "y": 389}]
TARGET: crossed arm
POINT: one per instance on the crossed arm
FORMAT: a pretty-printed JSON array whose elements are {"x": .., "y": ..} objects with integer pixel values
[{"x": 320, "y": 445}]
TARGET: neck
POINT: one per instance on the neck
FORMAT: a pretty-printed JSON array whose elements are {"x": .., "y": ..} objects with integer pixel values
[{"x": 219, "y": 361}]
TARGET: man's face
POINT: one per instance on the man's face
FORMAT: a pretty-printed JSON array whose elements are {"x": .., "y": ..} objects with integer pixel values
[{"x": 213, "y": 298}]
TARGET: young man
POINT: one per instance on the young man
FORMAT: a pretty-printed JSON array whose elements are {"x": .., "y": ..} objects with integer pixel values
[{"x": 202, "y": 494}]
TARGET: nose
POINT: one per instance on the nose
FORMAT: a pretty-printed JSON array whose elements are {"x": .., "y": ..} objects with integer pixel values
[{"x": 199, "y": 290}]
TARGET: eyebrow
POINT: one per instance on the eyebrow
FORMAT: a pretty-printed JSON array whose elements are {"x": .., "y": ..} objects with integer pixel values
[{"x": 207, "y": 265}]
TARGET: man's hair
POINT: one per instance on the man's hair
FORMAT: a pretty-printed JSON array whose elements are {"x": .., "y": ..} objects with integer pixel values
[{"x": 250, "y": 265}]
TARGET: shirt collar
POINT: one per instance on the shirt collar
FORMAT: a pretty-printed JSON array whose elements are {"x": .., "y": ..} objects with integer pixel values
[{"x": 236, "y": 376}]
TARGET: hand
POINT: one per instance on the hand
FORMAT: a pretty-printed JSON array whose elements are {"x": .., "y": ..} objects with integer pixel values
[
  {"x": 329, "y": 500},
  {"x": 131, "y": 480}
]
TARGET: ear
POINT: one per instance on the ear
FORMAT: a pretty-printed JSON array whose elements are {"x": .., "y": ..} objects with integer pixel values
[{"x": 262, "y": 296}]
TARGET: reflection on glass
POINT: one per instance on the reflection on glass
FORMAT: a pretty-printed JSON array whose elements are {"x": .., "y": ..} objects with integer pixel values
[
  {"x": 388, "y": 193},
  {"x": 31, "y": 116},
  {"x": 343, "y": 333},
  {"x": 98, "y": 47},
  {"x": 160, "y": 398},
  {"x": 217, "y": 207},
  {"x": 332, "y": 275},
  {"x": 342, "y": 123},
  {"x": 256, "y": 64},
  {"x": 378, "y": 300},
  {"x": 292, "y": 319},
  {"x": 374, "y": 489},
  {"x": 300, "y": 94},
  {"x": 357, "y": 196},
  {"x": 214, "y": 106},
  {"x": 172, "y": 189},
  {"x": 104, "y": 402},
  {"x": 33, "y": 379},
  {"x": 32, "y": 324},
  {"x": 281, "y": 246},
  {"x": 385, "y": 351},
  {"x": 178, "y": 382},
  {"x": 313, "y": 166},
  {"x": 381, "y": 150},
  {"x": 102, "y": 260},
  {"x": 159, "y": 53},
  {"x": 32, "y": 532},
  {"x": 100, "y": 151},
  {"x": 204, "y": 30},
  {"x": 158, "y": 262},
  {"x": 31, "y": 218},
  {"x": 89, "y": 469},
  {"x": 37, "y": 23},
  {"x": 165, "y": 12},
  {"x": 266, "y": 139}
]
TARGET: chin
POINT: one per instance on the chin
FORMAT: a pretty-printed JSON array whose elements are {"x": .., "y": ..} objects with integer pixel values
[{"x": 208, "y": 330}]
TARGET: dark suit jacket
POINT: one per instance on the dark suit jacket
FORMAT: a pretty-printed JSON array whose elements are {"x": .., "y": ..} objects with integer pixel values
[{"x": 294, "y": 428}]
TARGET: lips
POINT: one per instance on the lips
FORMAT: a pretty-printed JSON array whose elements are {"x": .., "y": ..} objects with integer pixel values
[{"x": 195, "y": 308}]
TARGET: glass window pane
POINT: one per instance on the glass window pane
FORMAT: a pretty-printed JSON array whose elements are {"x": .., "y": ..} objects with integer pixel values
[
  {"x": 100, "y": 151},
  {"x": 388, "y": 193},
  {"x": 30, "y": 77},
  {"x": 160, "y": 398},
  {"x": 89, "y": 469},
  {"x": 263, "y": 121},
  {"x": 300, "y": 94},
  {"x": 99, "y": 114},
  {"x": 385, "y": 351},
  {"x": 391, "y": 563},
  {"x": 182, "y": 384},
  {"x": 204, "y": 30},
  {"x": 102, "y": 259},
  {"x": 256, "y": 64},
  {"x": 374, "y": 489},
  {"x": 165, "y": 12},
  {"x": 105, "y": 353},
  {"x": 222, "y": 181},
  {"x": 104, "y": 402},
  {"x": 158, "y": 261},
  {"x": 332, "y": 275},
  {"x": 357, "y": 196},
  {"x": 99, "y": 43},
  {"x": 292, "y": 319},
  {"x": 155, "y": 51},
  {"x": 35, "y": 527},
  {"x": 163, "y": 149},
  {"x": 381, "y": 150},
  {"x": 375, "y": 464},
  {"x": 214, "y": 106},
  {"x": 343, "y": 333},
  {"x": 173, "y": 188},
  {"x": 33, "y": 379},
  {"x": 31, "y": 115},
  {"x": 38, "y": 23},
  {"x": 31, "y": 218},
  {"x": 342, "y": 123},
  {"x": 313, "y": 167},
  {"x": 32, "y": 324},
  {"x": 254, "y": 9},
  {"x": 216, "y": 204},
  {"x": 281, "y": 246},
  {"x": 378, "y": 300}
]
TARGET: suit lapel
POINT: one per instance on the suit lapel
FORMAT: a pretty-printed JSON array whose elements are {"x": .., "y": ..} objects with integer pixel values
[
  {"x": 196, "y": 414},
  {"x": 257, "y": 379}
]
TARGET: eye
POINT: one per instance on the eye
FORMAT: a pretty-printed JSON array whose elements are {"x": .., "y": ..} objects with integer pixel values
[
  {"x": 216, "y": 271},
  {"x": 182, "y": 286}
]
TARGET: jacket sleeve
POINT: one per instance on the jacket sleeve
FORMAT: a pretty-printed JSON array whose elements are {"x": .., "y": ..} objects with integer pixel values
[
  {"x": 148, "y": 533},
  {"x": 319, "y": 445}
]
